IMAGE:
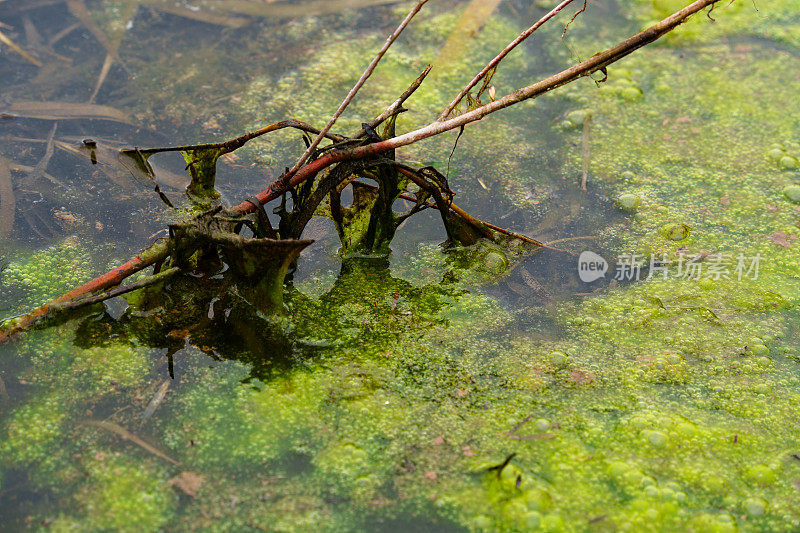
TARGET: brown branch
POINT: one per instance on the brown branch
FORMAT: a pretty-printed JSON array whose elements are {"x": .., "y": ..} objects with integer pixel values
[
  {"x": 398, "y": 104},
  {"x": 238, "y": 142},
  {"x": 119, "y": 291},
  {"x": 496, "y": 61},
  {"x": 349, "y": 98},
  {"x": 595, "y": 63}
]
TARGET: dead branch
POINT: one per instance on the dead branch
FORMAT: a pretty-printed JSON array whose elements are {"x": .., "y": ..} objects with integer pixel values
[
  {"x": 496, "y": 61},
  {"x": 360, "y": 83},
  {"x": 397, "y": 106},
  {"x": 597, "y": 62}
]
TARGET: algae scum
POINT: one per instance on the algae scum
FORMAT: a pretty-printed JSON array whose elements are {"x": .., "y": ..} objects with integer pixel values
[{"x": 466, "y": 390}]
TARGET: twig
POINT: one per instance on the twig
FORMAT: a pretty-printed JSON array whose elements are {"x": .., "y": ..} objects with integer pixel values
[
  {"x": 581, "y": 10},
  {"x": 496, "y": 61},
  {"x": 398, "y": 104},
  {"x": 349, "y": 98},
  {"x": 158, "y": 397},
  {"x": 119, "y": 291},
  {"x": 238, "y": 142},
  {"x": 127, "y": 435},
  {"x": 570, "y": 239},
  {"x": 586, "y": 142},
  {"x": 11, "y": 44},
  {"x": 595, "y": 63},
  {"x": 101, "y": 78}
]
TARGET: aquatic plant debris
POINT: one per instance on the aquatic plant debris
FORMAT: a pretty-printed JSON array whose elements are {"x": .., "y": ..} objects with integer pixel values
[
  {"x": 368, "y": 148},
  {"x": 386, "y": 391}
]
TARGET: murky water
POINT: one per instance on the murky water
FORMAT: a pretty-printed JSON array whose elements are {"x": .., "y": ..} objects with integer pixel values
[{"x": 436, "y": 390}]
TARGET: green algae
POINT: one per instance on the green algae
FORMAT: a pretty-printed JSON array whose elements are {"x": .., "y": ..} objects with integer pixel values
[
  {"x": 120, "y": 495},
  {"x": 45, "y": 274}
]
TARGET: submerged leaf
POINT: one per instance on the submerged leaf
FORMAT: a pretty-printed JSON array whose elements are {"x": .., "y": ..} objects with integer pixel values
[
  {"x": 7, "y": 200},
  {"x": 64, "y": 111},
  {"x": 11, "y": 44}
]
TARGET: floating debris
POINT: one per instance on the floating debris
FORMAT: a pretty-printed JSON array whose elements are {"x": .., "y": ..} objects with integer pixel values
[
  {"x": 63, "y": 111},
  {"x": 120, "y": 431}
]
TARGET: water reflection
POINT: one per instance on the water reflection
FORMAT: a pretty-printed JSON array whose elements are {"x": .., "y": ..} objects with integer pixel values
[{"x": 366, "y": 306}]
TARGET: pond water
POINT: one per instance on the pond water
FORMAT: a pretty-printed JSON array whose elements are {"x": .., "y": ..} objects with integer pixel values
[{"x": 439, "y": 389}]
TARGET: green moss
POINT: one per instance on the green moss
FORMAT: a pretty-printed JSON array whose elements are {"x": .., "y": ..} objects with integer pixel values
[
  {"x": 48, "y": 273},
  {"x": 663, "y": 404}
]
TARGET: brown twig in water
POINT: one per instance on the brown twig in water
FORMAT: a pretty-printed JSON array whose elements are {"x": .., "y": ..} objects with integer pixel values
[
  {"x": 570, "y": 239},
  {"x": 127, "y": 435},
  {"x": 581, "y": 10},
  {"x": 496, "y": 61},
  {"x": 586, "y": 142},
  {"x": 119, "y": 291},
  {"x": 398, "y": 104},
  {"x": 238, "y": 142},
  {"x": 349, "y": 98},
  {"x": 11, "y": 44}
]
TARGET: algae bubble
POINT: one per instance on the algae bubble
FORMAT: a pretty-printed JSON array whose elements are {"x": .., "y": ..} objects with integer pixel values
[
  {"x": 628, "y": 201},
  {"x": 755, "y": 506},
  {"x": 788, "y": 162},
  {"x": 675, "y": 231},
  {"x": 792, "y": 193},
  {"x": 558, "y": 358}
]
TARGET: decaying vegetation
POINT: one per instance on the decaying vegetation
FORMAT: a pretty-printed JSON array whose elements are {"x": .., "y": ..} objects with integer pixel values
[{"x": 259, "y": 254}]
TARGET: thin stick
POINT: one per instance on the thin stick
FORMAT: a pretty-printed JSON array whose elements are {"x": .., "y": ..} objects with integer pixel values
[
  {"x": 132, "y": 437},
  {"x": 586, "y": 141},
  {"x": 597, "y": 62},
  {"x": 570, "y": 239},
  {"x": 119, "y": 291},
  {"x": 104, "y": 70},
  {"x": 349, "y": 98},
  {"x": 398, "y": 104},
  {"x": 11, "y": 44},
  {"x": 496, "y": 61},
  {"x": 238, "y": 142}
]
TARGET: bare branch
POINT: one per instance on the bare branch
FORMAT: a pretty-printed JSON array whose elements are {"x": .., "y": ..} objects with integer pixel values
[
  {"x": 349, "y": 98},
  {"x": 597, "y": 62},
  {"x": 398, "y": 104},
  {"x": 496, "y": 61}
]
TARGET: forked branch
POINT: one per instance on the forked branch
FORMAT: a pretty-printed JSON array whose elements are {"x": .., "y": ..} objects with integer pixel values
[
  {"x": 352, "y": 94},
  {"x": 496, "y": 61}
]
